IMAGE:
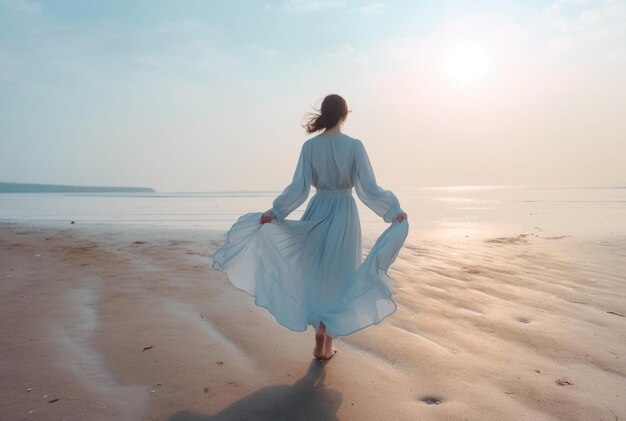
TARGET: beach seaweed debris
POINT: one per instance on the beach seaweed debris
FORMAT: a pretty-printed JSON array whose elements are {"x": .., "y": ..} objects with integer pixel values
[
  {"x": 145, "y": 348},
  {"x": 520, "y": 239},
  {"x": 563, "y": 382},
  {"x": 431, "y": 400}
]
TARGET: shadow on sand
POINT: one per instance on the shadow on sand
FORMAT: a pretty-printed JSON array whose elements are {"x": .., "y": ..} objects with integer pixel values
[{"x": 307, "y": 399}]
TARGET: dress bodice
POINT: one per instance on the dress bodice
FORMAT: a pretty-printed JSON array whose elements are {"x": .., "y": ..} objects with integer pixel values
[
  {"x": 335, "y": 162},
  {"x": 332, "y": 161}
]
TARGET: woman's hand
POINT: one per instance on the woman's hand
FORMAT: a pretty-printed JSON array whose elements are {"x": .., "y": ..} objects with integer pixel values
[
  {"x": 401, "y": 217},
  {"x": 267, "y": 217}
]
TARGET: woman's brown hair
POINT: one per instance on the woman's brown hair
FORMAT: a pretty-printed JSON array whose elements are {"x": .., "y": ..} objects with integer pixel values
[{"x": 333, "y": 109}]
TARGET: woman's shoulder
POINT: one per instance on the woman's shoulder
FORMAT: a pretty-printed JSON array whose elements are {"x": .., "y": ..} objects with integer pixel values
[
  {"x": 351, "y": 139},
  {"x": 340, "y": 137},
  {"x": 354, "y": 142}
]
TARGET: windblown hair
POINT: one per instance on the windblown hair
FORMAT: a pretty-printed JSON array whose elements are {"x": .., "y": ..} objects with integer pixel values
[{"x": 333, "y": 109}]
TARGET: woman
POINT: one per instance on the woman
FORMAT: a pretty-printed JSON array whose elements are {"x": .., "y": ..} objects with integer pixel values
[{"x": 310, "y": 271}]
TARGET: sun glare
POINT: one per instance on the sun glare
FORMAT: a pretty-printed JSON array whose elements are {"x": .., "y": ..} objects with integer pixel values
[{"x": 466, "y": 61}]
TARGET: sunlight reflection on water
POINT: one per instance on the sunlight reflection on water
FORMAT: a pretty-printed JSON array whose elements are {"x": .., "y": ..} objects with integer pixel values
[{"x": 449, "y": 211}]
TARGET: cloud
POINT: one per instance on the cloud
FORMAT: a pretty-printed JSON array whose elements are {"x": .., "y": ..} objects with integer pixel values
[
  {"x": 304, "y": 6},
  {"x": 370, "y": 8},
  {"x": 263, "y": 51},
  {"x": 339, "y": 51},
  {"x": 21, "y": 6},
  {"x": 574, "y": 24},
  {"x": 42, "y": 50},
  {"x": 186, "y": 25},
  {"x": 404, "y": 48}
]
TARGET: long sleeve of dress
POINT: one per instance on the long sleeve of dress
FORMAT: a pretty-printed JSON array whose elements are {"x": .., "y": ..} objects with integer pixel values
[
  {"x": 383, "y": 202},
  {"x": 295, "y": 193}
]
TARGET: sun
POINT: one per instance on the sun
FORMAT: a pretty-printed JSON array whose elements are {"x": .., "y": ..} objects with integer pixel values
[{"x": 466, "y": 61}]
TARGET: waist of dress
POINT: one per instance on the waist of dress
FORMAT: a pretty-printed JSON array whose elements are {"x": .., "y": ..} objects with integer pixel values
[{"x": 339, "y": 192}]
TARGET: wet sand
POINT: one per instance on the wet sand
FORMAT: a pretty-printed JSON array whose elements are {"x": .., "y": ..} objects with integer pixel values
[{"x": 110, "y": 322}]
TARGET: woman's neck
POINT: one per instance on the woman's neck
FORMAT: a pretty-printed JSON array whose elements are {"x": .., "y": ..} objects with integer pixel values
[{"x": 333, "y": 130}]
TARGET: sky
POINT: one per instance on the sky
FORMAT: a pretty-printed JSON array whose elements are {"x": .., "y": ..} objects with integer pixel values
[{"x": 210, "y": 95}]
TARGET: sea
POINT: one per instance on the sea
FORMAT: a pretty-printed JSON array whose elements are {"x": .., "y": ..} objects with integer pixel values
[{"x": 463, "y": 211}]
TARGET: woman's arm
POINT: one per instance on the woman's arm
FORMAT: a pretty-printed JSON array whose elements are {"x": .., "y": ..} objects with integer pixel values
[
  {"x": 295, "y": 193},
  {"x": 383, "y": 202}
]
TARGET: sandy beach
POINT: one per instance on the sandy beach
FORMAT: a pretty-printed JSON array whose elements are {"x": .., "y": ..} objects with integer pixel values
[{"x": 105, "y": 322}]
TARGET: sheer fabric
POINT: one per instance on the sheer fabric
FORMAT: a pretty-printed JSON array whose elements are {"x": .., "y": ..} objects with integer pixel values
[{"x": 310, "y": 270}]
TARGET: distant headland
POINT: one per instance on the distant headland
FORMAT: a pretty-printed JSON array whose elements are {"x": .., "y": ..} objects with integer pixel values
[{"x": 58, "y": 188}]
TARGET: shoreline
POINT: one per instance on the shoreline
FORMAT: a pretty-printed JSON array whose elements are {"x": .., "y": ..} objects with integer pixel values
[{"x": 131, "y": 322}]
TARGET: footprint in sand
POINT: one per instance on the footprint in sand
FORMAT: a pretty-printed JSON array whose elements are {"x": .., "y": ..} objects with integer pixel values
[
  {"x": 520, "y": 239},
  {"x": 431, "y": 400}
]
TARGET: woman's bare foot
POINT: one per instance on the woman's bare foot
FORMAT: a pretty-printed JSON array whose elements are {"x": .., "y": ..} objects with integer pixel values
[
  {"x": 328, "y": 356},
  {"x": 329, "y": 351},
  {"x": 320, "y": 337}
]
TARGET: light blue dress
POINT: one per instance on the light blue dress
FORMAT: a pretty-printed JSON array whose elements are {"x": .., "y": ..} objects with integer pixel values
[{"x": 310, "y": 271}]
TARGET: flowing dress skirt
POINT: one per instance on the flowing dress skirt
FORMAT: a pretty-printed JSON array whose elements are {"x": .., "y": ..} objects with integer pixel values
[{"x": 310, "y": 271}]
